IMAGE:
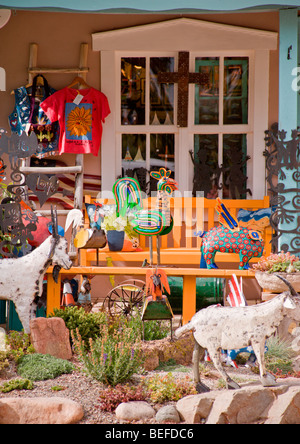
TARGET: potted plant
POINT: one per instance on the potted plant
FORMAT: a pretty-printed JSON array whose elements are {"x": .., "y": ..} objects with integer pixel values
[
  {"x": 285, "y": 264},
  {"x": 115, "y": 228}
]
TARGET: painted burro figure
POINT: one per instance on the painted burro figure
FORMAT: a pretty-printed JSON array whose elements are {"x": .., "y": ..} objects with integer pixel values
[{"x": 21, "y": 279}]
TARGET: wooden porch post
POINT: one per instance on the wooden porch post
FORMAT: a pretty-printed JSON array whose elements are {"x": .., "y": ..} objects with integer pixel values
[{"x": 288, "y": 98}]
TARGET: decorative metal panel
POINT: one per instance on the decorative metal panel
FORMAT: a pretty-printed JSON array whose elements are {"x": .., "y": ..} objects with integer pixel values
[{"x": 283, "y": 179}]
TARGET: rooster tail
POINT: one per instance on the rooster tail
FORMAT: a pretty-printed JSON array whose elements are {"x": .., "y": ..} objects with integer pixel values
[{"x": 127, "y": 193}]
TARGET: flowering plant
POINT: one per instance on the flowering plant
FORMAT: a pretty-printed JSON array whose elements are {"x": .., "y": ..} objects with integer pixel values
[
  {"x": 113, "y": 222},
  {"x": 281, "y": 262},
  {"x": 112, "y": 357},
  {"x": 166, "y": 388}
]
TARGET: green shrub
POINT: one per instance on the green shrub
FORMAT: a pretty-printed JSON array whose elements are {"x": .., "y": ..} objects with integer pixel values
[
  {"x": 279, "y": 356},
  {"x": 113, "y": 357},
  {"x": 167, "y": 388},
  {"x": 153, "y": 330},
  {"x": 89, "y": 325},
  {"x": 38, "y": 367},
  {"x": 3, "y": 360},
  {"x": 16, "y": 384},
  {"x": 19, "y": 344}
]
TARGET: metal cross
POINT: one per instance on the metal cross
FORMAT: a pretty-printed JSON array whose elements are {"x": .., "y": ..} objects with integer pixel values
[{"x": 183, "y": 77}]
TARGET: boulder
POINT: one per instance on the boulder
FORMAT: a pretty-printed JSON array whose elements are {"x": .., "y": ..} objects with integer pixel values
[
  {"x": 51, "y": 336},
  {"x": 167, "y": 414},
  {"x": 251, "y": 404},
  {"x": 194, "y": 409},
  {"x": 134, "y": 411},
  {"x": 162, "y": 350},
  {"x": 245, "y": 406},
  {"x": 286, "y": 408},
  {"x": 2, "y": 339},
  {"x": 54, "y": 410}
]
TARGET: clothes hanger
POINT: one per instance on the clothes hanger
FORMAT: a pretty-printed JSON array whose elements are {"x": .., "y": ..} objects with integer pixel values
[
  {"x": 78, "y": 81},
  {"x": 39, "y": 82}
]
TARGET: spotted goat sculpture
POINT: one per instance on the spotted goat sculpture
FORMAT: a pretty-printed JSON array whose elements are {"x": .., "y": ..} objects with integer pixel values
[
  {"x": 216, "y": 328},
  {"x": 21, "y": 279}
]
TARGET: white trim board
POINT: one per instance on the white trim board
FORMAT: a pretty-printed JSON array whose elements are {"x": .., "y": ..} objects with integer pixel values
[{"x": 184, "y": 34}]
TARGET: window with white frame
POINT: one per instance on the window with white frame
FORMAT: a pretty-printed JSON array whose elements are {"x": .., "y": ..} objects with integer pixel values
[
  {"x": 227, "y": 117},
  {"x": 218, "y": 122}
]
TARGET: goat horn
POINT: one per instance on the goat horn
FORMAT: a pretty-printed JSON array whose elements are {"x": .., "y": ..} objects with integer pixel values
[
  {"x": 54, "y": 222},
  {"x": 288, "y": 284}
]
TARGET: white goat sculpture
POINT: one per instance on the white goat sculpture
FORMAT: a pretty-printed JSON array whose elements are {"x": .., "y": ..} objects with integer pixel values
[
  {"x": 217, "y": 328},
  {"x": 21, "y": 279}
]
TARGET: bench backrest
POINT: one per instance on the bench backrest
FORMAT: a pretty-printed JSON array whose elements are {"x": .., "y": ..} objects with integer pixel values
[{"x": 193, "y": 214}]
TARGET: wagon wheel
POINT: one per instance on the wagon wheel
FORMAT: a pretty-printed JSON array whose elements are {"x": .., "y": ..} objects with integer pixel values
[{"x": 122, "y": 299}]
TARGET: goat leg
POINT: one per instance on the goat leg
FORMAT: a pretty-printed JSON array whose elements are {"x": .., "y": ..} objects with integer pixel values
[
  {"x": 215, "y": 357},
  {"x": 266, "y": 378},
  {"x": 200, "y": 387}
]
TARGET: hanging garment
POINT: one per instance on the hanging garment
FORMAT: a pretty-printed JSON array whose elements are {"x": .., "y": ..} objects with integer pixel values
[
  {"x": 28, "y": 116},
  {"x": 80, "y": 114}
]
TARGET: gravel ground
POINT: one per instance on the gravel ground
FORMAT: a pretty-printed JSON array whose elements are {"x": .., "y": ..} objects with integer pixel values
[{"x": 84, "y": 390}]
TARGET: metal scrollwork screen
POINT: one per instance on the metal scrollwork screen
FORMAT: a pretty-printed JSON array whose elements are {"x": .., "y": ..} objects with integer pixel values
[{"x": 283, "y": 180}]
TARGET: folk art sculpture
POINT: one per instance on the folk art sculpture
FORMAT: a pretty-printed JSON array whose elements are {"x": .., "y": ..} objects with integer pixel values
[
  {"x": 153, "y": 222},
  {"x": 230, "y": 237},
  {"x": 216, "y": 327},
  {"x": 22, "y": 278}
]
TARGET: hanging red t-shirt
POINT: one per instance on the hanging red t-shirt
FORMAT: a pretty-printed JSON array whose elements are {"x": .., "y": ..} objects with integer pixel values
[{"x": 80, "y": 114}]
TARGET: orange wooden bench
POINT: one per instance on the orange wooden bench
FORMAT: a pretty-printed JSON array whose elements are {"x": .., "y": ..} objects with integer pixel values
[
  {"x": 181, "y": 247},
  {"x": 189, "y": 276}
]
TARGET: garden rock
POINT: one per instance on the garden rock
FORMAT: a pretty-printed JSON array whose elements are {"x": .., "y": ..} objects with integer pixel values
[
  {"x": 167, "y": 414},
  {"x": 286, "y": 409},
  {"x": 252, "y": 404},
  {"x": 246, "y": 406},
  {"x": 134, "y": 411},
  {"x": 181, "y": 351},
  {"x": 194, "y": 409},
  {"x": 51, "y": 336},
  {"x": 2, "y": 339},
  {"x": 54, "y": 410}
]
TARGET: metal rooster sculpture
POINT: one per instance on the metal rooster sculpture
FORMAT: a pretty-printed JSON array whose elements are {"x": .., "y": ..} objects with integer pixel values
[{"x": 156, "y": 222}]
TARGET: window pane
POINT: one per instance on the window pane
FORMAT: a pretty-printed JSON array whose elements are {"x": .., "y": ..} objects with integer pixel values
[
  {"x": 207, "y": 96},
  {"x": 234, "y": 166},
  {"x": 134, "y": 157},
  {"x": 235, "y": 90},
  {"x": 206, "y": 165},
  {"x": 161, "y": 94},
  {"x": 161, "y": 154},
  {"x": 133, "y": 90}
]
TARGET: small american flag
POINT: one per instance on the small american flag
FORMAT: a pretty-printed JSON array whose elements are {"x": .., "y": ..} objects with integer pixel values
[{"x": 236, "y": 296}]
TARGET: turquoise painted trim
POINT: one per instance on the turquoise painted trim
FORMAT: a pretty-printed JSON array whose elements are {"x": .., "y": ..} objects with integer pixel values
[
  {"x": 131, "y": 6},
  {"x": 288, "y": 37},
  {"x": 288, "y": 103}
]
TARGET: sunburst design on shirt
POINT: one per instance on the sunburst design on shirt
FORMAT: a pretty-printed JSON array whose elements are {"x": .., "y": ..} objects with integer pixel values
[{"x": 79, "y": 121}]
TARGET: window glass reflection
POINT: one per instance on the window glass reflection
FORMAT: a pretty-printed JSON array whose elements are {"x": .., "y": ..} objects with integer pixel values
[
  {"x": 207, "y": 96},
  {"x": 161, "y": 94},
  {"x": 133, "y": 90}
]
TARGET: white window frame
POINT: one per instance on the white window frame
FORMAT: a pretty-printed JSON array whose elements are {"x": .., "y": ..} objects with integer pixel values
[{"x": 200, "y": 38}]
